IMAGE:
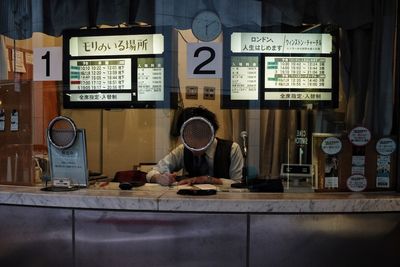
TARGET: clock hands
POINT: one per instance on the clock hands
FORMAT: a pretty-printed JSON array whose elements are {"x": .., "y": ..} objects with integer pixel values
[{"x": 209, "y": 24}]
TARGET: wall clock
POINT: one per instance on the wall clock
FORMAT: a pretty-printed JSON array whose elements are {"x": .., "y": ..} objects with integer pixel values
[{"x": 206, "y": 26}]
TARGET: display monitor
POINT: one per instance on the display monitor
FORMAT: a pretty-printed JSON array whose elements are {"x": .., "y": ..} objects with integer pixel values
[{"x": 118, "y": 68}]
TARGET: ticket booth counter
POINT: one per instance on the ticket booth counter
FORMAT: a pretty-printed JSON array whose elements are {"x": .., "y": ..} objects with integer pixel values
[{"x": 156, "y": 226}]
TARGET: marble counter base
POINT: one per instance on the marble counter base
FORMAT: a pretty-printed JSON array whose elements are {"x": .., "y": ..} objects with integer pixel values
[
  {"x": 283, "y": 202},
  {"x": 157, "y": 198}
]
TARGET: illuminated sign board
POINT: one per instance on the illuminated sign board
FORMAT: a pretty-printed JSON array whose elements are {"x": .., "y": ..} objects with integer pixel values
[
  {"x": 139, "y": 44},
  {"x": 278, "y": 43},
  {"x": 100, "y": 74},
  {"x": 288, "y": 70},
  {"x": 118, "y": 68}
]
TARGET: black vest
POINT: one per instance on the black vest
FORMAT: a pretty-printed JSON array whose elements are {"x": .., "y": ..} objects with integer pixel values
[{"x": 222, "y": 160}]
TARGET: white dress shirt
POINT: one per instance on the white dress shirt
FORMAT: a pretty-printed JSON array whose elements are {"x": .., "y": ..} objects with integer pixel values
[{"x": 174, "y": 162}]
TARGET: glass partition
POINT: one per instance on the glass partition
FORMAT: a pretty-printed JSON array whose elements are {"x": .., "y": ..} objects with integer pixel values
[{"x": 307, "y": 89}]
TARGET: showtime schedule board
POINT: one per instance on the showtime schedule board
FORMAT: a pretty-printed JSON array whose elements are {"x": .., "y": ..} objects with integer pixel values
[
  {"x": 298, "y": 72},
  {"x": 292, "y": 70},
  {"x": 117, "y": 68},
  {"x": 308, "y": 74},
  {"x": 105, "y": 74}
]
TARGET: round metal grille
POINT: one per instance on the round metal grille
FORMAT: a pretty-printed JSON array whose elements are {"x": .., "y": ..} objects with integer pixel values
[
  {"x": 61, "y": 132},
  {"x": 197, "y": 134}
]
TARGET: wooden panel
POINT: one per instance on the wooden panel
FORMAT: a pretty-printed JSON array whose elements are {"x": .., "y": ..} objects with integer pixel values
[{"x": 345, "y": 165}]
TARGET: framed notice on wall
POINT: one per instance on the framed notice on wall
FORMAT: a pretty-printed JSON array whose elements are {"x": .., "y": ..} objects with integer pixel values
[
  {"x": 272, "y": 69},
  {"x": 118, "y": 68}
]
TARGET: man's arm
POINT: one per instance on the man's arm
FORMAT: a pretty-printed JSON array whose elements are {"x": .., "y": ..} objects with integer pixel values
[
  {"x": 236, "y": 167},
  {"x": 162, "y": 173}
]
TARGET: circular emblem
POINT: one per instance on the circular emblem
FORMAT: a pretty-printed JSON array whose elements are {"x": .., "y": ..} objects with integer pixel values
[
  {"x": 356, "y": 183},
  {"x": 359, "y": 136},
  {"x": 331, "y": 145},
  {"x": 385, "y": 146}
]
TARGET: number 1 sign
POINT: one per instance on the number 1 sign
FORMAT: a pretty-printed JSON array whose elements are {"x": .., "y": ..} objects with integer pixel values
[
  {"x": 47, "y": 64},
  {"x": 204, "y": 60}
]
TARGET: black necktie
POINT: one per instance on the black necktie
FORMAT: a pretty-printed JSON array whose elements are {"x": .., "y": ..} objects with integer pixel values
[{"x": 200, "y": 165}]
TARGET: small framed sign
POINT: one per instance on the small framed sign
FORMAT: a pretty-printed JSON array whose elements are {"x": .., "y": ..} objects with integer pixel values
[{"x": 70, "y": 163}]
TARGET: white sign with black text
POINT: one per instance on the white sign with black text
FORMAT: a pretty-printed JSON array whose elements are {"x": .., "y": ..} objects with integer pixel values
[
  {"x": 2, "y": 119},
  {"x": 281, "y": 43},
  {"x": 204, "y": 60},
  {"x": 47, "y": 64}
]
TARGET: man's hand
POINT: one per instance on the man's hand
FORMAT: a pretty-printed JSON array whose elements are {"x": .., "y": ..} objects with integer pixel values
[{"x": 164, "y": 178}]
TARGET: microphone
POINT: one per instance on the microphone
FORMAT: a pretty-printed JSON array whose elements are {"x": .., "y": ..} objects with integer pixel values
[{"x": 243, "y": 135}]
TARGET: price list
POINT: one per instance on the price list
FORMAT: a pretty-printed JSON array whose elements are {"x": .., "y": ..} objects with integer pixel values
[
  {"x": 109, "y": 74},
  {"x": 150, "y": 77},
  {"x": 298, "y": 72},
  {"x": 244, "y": 78}
]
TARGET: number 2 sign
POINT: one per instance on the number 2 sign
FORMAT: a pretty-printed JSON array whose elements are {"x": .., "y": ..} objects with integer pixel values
[
  {"x": 47, "y": 64},
  {"x": 204, "y": 60}
]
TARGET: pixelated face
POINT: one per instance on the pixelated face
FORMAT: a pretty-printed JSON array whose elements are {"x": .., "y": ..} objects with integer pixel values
[{"x": 197, "y": 134}]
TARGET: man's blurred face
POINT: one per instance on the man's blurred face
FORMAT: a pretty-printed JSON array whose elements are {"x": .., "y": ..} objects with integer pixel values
[{"x": 197, "y": 135}]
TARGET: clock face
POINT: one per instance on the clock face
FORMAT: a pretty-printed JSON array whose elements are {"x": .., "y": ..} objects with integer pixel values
[{"x": 206, "y": 26}]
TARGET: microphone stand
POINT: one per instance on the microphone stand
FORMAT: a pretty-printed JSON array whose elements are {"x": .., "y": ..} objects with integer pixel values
[{"x": 244, "y": 135}]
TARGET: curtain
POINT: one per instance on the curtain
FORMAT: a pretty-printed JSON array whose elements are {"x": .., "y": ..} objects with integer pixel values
[
  {"x": 16, "y": 18},
  {"x": 367, "y": 71},
  {"x": 180, "y": 13},
  {"x": 3, "y": 59},
  {"x": 347, "y": 14},
  {"x": 271, "y": 137},
  {"x": 20, "y": 18},
  {"x": 379, "y": 103},
  {"x": 277, "y": 137}
]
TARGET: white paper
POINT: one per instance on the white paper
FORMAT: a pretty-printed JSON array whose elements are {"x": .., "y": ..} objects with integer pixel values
[
  {"x": 14, "y": 121},
  {"x": 18, "y": 61},
  {"x": 2, "y": 120}
]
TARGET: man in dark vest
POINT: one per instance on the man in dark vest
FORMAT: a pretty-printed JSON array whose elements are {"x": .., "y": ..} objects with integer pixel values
[{"x": 202, "y": 161}]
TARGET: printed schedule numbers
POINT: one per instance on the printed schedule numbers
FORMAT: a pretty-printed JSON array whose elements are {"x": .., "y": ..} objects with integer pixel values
[
  {"x": 244, "y": 78},
  {"x": 298, "y": 72},
  {"x": 104, "y": 74},
  {"x": 150, "y": 77}
]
